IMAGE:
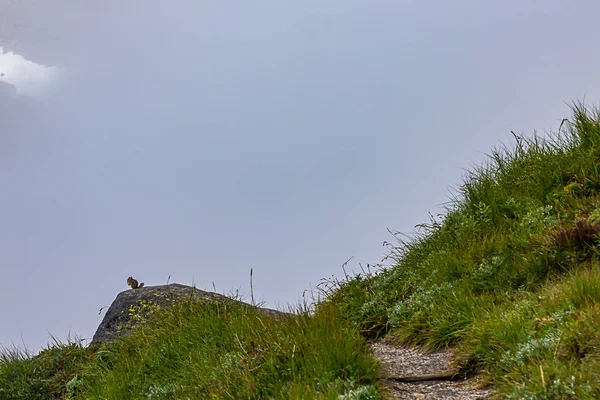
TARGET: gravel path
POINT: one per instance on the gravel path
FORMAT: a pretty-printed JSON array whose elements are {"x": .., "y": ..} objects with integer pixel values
[{"x": 400, "y": 361}]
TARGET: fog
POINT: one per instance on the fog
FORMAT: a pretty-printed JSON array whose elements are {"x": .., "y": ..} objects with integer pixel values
[{"x": 193, "y": 141}]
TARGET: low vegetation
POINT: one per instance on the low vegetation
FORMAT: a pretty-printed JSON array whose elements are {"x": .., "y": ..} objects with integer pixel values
[
  {"x": 509, "y": 275},
  {"x": 199, "y": 350}
]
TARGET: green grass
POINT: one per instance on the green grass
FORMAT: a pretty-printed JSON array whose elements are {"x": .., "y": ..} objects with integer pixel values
[
  {"x": 199, "y": 350},
  {"x": 509, "y": 274}
]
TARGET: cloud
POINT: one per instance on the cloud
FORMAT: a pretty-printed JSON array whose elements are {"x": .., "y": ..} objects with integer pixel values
[{"x": 29, "y": 78}]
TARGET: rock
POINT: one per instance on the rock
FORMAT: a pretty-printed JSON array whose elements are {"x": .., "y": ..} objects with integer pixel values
[{"x": 117, "y": 320}]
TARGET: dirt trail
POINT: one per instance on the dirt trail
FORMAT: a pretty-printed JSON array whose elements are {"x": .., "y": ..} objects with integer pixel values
[{"x": 413, "y": 364}]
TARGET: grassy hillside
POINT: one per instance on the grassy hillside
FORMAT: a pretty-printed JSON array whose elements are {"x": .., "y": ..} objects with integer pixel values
[
  {"x": 510, "y": 274},
  {"x": 200, "y": 350}
]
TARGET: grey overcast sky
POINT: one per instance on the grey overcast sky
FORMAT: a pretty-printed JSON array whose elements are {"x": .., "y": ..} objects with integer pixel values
[{"x": 199, "y": 139}]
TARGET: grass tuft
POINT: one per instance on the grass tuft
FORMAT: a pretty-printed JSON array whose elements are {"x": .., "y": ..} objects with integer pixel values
[{"x": 205, "y": 350}]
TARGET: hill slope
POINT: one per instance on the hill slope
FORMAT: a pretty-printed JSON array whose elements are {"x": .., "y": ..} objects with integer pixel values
[{"x": 511, "y": 275}]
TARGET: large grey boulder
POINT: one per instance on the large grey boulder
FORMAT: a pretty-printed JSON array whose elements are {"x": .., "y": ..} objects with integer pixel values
[{"x": 118, "y": 321}]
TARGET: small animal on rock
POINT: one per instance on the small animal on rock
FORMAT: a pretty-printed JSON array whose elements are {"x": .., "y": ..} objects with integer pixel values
[{"x": 134, "y": 283}]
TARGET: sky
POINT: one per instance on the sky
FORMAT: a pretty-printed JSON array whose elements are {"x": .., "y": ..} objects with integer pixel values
[{"x": 193, "y": 141}]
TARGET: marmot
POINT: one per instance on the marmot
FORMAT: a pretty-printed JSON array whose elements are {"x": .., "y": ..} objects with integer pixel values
[{"x": 134, "y": 283}]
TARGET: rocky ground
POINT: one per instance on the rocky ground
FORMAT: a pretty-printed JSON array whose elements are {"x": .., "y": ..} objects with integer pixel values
[{"x": 402, "y": 364}]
